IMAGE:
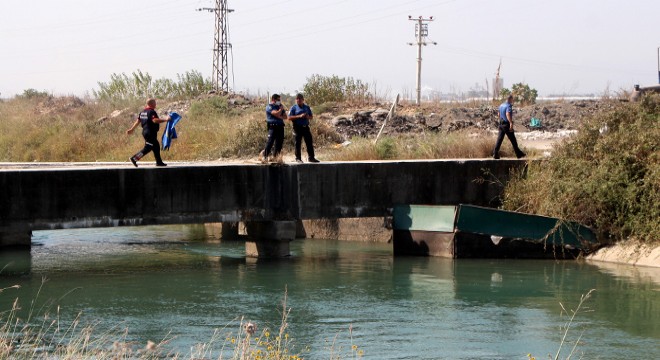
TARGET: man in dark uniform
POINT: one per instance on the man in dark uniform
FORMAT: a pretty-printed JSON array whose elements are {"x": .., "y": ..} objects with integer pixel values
[
  {"x": 149, "y": 120},
  {"x": 300, "y": 114},
  {"x": 275, "y": 116},
  {"x": 506, "y": 128}
]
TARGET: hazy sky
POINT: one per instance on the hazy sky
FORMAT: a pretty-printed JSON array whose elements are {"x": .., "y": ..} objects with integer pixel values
[{"x": 558, "y": 46}]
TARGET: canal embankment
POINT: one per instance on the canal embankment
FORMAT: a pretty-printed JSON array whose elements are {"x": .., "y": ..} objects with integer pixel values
[{"x": 630, "y": 253}]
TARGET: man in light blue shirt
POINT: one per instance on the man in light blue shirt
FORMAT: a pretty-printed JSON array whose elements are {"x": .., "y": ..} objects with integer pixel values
[
  {"x": 505, "y": 127},
  {"x": 300, "y": 114}
]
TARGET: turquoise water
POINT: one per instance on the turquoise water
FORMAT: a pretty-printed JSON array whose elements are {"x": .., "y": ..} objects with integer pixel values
[{"x": 180, "y": 283}]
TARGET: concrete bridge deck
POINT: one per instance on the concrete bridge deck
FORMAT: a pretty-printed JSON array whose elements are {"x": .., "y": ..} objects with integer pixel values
[{"x": 77, "y": 195}]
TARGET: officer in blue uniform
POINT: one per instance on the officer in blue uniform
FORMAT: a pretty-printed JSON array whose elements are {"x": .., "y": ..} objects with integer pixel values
[
  {"x": 506, "y": 128},
  {"x": 300, "y": 114},
  {"x": 275, "y": 116},
  {"x": 150, "y": 122}
]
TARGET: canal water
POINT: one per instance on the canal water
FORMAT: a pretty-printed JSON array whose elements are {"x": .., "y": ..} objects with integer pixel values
[{"x": 181, "y": 283}]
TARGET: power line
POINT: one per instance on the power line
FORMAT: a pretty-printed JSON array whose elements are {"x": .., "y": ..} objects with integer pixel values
[
  {"x": 220, "y": 46},
  {"x": 303, "y": 31},
  {"x": 126, "y": 15}
]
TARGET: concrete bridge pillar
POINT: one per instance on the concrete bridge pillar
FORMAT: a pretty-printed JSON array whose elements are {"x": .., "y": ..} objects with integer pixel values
[
  {"x": 269, "y": 239},
  {"x": 15, "y": 237},
  {"x": 15, "y": 255},
  {"x": 229, "y": 230}
]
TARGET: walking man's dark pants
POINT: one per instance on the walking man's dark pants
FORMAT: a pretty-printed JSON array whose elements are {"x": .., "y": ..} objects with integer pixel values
[
  {"x": 150, "y": 144},
  {"x": 504, "y": 130}
]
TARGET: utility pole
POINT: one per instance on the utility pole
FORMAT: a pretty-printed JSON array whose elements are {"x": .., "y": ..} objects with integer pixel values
[
  {"x": 498, "y": 83},
  {"x": 220, "y": 46},
  {"x": 421, "y": 32}
]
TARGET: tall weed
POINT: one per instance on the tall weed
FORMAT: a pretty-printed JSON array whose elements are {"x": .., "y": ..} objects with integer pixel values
[{"x": 139, "y": 85}]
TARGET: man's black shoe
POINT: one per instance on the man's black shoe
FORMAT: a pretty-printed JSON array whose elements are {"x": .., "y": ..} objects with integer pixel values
[
  {"x": 521, "y": 155},
  {"x": 496, "y": 157},
  {"x": 133, "y": 161},
  {"x": 313, "y": 160},
  {"x": 161, "y": 164}
]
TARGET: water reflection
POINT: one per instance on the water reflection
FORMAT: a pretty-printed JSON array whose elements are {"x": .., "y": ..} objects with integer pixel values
[
  {"x": 631, "y": 293},
  {"x": 15, "y": 262},
  {"x": 183, "y": 280}
]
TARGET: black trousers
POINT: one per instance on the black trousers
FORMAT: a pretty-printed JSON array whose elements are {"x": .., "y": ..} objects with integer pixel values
[
  {"x": 300, "y": 133},
  {"x": 504, "y": 130},
  {"x": 150, "y": 144},
  {"x": 275, "y": 137}
]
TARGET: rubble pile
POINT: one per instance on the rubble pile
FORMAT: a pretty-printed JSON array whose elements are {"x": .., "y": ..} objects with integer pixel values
[{"x": 408, "y": 119}]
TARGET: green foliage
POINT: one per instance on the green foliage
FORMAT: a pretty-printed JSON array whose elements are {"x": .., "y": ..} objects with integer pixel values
[
  {"x": 34, "y": 94},
  {"x": 607, "y": 177},
  {"x": 323, "y": 108},
  {"x": 521, "y": 93},
  {"x": 213, "y": 106},
  {"x": 139, "y": 85},
  {"x": 249, "y": 137},
  {"x": 192, "y": 84},
  {"x": 320, "y": 89},
  {"x": 386, "y": 148}
]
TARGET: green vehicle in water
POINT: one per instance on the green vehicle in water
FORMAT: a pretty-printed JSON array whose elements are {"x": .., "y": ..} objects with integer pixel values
[{"x": 468, "y": 231}]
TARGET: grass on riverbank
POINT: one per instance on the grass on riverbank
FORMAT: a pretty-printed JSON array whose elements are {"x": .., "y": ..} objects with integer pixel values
[
  {"x": 44, "y": 335},
  {"x": 606, "y": 177}
]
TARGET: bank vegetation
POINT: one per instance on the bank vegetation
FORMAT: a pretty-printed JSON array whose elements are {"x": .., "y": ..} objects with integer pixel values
[{"x": 607, "y": 176}]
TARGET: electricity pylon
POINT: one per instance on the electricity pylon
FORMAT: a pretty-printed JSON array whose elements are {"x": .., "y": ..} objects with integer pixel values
[{"x": 220, "y": 46}]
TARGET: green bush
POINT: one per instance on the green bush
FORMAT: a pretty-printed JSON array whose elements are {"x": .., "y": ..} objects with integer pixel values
[
  {"x": 213, "y": 106},
  {"x": 386, "y": 148},
  {"x": 34, "y": 94},
  {"x": 139, "y": 85},
  {"x": 607, "y": 177},
  {"x": 321, "y": 89},
  {"x": 521, "y": 92}
]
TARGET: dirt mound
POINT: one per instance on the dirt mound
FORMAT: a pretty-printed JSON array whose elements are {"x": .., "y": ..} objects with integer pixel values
[
  {"x": 59, "y": 105},
  {"x": 565, "y": 115},
  {"x": 234, "y": 101}
]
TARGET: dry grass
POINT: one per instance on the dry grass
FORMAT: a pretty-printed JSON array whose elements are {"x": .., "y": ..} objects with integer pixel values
[
  {"x": 455, "y": 145},
  {"x": 68, "y": 129}
]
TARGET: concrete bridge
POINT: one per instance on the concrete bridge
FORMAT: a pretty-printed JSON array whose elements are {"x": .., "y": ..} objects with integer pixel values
[{"x": 268, "y": 198}]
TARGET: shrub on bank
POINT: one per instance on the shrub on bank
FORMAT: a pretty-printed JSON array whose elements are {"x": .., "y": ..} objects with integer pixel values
[{"x": 607, "y": 176}]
